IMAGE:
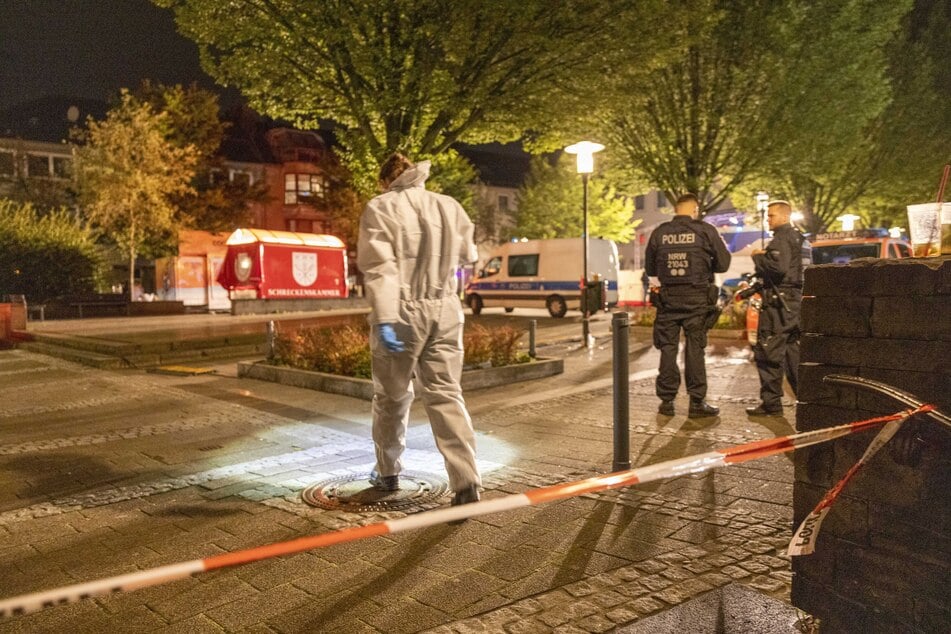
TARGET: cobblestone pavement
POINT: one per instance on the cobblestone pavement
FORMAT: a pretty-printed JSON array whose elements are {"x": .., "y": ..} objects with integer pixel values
[{"x": 104, "y": 473}]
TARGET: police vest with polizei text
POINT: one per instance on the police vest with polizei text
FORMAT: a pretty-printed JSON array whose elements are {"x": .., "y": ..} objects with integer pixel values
[{"x": 681, "y": 257}]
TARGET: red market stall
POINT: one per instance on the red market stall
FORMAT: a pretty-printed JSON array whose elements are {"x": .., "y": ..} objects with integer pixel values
[{"x": 262, "y": 264}]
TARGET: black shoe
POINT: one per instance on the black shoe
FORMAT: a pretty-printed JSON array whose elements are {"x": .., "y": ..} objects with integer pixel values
[
  {"x": 762, "y": 410},
  {"x": 384, "y": 483},
  {"x": 666, "y": 408},
  {"x": 466, "y": 495},
  {"x": 701, "y": 409}
]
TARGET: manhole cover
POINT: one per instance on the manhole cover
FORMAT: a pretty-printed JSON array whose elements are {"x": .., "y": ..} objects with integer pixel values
[{"x": 353, "y": 493}]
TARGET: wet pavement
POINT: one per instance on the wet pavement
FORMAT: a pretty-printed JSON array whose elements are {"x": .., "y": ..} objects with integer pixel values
[{"x": 108, "y": 472}]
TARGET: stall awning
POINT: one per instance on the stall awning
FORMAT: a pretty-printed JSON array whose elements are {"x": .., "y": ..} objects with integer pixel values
[{"x": 250, "y": 236}]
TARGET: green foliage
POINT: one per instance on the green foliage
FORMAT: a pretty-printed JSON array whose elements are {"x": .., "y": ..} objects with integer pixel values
[
  {"x": 496, "y": 346},
  {"x": 853, "y": 141},
  {"x": 758, "y": 85},
  {"x": 550, "y": 205},
  {"x": 453, "y": 175},
  {"x": 192, "y": 119},
  {"x": 419, "y": 76},
  {"x": 127, "y": 173},
  {"x": 345, "y": 350},
  {"x": 45, "y": 255},
  {"x": 334, "y": 350}
]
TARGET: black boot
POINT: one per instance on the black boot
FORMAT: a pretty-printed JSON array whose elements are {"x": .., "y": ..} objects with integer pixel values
[
  {"x": 701, "y": 409},
  {"x": 465, "y": 495},
  {"x": 384, "y": 483},
  {"x": 666, "y": 408},
  {"x": 762, "y": 410}
]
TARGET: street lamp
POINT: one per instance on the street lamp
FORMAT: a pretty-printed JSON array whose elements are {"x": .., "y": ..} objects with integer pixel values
[
  {"x": 584, "y": 151},
  {"x": 762, "y": 203},
  {"x": 848, "y": 221}
]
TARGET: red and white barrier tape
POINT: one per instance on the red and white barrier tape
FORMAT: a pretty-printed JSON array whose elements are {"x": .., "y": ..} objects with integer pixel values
[
  {"x": 24, "y": 604},
  {"x": 804, "y": 539}
]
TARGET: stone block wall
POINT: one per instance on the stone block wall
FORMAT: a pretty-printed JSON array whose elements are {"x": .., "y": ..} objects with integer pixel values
[{"x": 883, "y": 558}]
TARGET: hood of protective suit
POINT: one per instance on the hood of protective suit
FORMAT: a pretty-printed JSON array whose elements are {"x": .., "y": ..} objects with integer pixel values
[
  {"x": 411, "y": 245},
  {"x": 413, "y": 177}
]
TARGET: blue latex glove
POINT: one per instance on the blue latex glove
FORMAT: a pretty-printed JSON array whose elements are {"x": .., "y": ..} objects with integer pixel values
[{"x": 388, "y": 338}]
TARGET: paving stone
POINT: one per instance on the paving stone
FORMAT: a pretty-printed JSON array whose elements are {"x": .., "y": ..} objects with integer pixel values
[
  {"x": 735, "y": 572},
  {"x": 646, "y": 605},
  {"x": 677, "y": 574},
  {"x": 594, "y": 623},
  {"x": 677, "y": 594},
  {"x": 527, "y": 626},
  {"x": 655, "y": 582},
  {"x": 621, "y": 615},
  {"x": 608, "y": 598},
  {"x": 765, "y": 584},
  {"x": 651, "y": 566}
]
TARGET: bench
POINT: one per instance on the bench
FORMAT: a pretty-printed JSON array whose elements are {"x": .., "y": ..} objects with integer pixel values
[
  {"x": 100, "y": 303},
  {"x": 32, "y": 310}
]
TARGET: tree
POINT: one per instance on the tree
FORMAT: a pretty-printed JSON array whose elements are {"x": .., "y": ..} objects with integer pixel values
[
  {"x": 550, "y": 205},
  {"x": 214, "y": 202},
  {"x": 416, "y": 75},
  {"x": 127, "y": 172},
  {"x": 45, "y": 254},
  {"x": 829, "y": 174},
  {"x": 754, "y": 79}
]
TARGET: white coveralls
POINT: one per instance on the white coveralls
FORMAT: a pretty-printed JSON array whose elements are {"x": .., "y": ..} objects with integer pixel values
[{"x": 411, "y": 245}]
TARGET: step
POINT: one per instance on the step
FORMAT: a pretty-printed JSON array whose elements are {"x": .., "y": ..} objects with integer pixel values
[
  {"x": 87, "y": 344},
  {"x": 203, "y": 355},
  {"x": 84, "y": 357}
]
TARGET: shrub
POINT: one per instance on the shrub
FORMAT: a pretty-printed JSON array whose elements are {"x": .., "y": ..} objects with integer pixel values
[
  {"x": 335, "y": 350},
  {"x": 496, "y": 346},
  {"x": 345, "y": 350},
  {"x": 45, "y": 255}
]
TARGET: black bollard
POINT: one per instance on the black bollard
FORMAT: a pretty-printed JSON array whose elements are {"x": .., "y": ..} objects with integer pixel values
[
  {"x": 271, "y": 336},
  {"x": 620, "y": 326},
  {"x": 532, "y": 325}
]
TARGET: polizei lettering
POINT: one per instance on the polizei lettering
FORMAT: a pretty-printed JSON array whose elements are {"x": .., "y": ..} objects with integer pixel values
[{"x": 679, "y": 238}]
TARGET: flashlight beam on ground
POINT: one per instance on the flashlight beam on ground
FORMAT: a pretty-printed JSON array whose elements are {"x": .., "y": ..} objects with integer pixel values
[{"x": 27, "y": 603}]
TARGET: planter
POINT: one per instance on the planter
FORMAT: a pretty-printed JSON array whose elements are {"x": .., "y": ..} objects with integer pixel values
[{"x": 363, "y": 388}]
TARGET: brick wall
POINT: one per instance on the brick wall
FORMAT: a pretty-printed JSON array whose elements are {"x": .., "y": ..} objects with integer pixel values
[{"x": 883, "y": 558}]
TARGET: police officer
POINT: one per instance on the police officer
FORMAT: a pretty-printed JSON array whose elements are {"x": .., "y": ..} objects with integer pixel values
[
  {"x": 683, "y": 254},
  {"x": 780, "y": 266}
]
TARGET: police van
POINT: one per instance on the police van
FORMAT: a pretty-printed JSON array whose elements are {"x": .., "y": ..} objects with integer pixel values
[{"x": 543, "y": 274}]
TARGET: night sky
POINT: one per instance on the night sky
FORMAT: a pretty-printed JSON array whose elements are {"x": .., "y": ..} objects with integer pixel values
[{"x": 89, "y": 49}]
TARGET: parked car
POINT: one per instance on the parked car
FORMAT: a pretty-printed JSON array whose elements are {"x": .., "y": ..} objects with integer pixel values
[{"x": 840, "y": 247}]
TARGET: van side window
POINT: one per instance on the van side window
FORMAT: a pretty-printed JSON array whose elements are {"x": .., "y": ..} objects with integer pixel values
[
  {"x": 492, "y": 267},
  {"x": 903, "y": 250},
  {"x": 523, "y": 265}
]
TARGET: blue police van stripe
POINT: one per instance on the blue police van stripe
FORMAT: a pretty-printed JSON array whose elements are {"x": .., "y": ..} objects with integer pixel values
[{"x": 533, "y": 286}]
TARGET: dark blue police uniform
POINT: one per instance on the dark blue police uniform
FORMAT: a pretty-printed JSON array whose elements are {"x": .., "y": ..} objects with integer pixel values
[
  {"x": 777, "y": 338},
  {"x": 683, "y": 254}
]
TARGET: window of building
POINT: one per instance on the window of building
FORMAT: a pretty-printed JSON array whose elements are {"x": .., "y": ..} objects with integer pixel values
[
  {"x": 7, "y": 164},
  {"x": 290, "y": 224},
  {"x": 639, "y": 202},
  {"x": 62, "y": 167},
  {"x": 661, "y": 200},
  {"x": 302, "y": 188},
  {"x": 523, "y": 265},
  {"x": 503, "y": 203},
  {"x": 38, "y": 165},
  {"x": 241, "y": 177}
]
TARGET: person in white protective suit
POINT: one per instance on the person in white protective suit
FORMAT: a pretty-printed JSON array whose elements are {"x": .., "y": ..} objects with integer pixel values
[{"x": 411, "y": 245}]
